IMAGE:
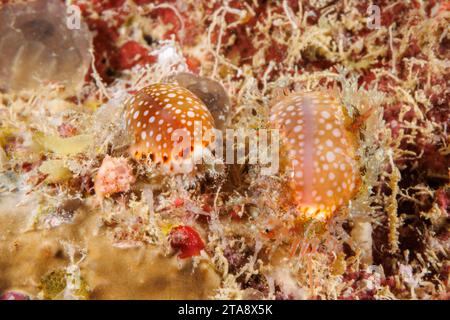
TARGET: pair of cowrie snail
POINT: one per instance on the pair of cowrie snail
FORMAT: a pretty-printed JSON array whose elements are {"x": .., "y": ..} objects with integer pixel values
[{"x": 320, "y": 148}]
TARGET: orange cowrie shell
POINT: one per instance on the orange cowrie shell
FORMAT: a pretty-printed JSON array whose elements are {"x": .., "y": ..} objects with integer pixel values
[
  {"x": 320, "y": 149},
  {"x": 168, "y": 124}
]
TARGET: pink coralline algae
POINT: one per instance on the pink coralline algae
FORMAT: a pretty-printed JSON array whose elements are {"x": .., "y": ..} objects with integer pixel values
[{"x": 115, "y": 175}]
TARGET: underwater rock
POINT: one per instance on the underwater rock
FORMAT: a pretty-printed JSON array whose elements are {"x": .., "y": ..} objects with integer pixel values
[
  {"x": 211, "y": 93},
  {"x": 42, "y": 42}
]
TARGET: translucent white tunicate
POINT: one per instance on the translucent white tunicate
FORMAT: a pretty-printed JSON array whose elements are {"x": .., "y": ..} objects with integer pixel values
[
  {"x": 43, "y": 42},
  {"x": 211, "y": 93}
]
